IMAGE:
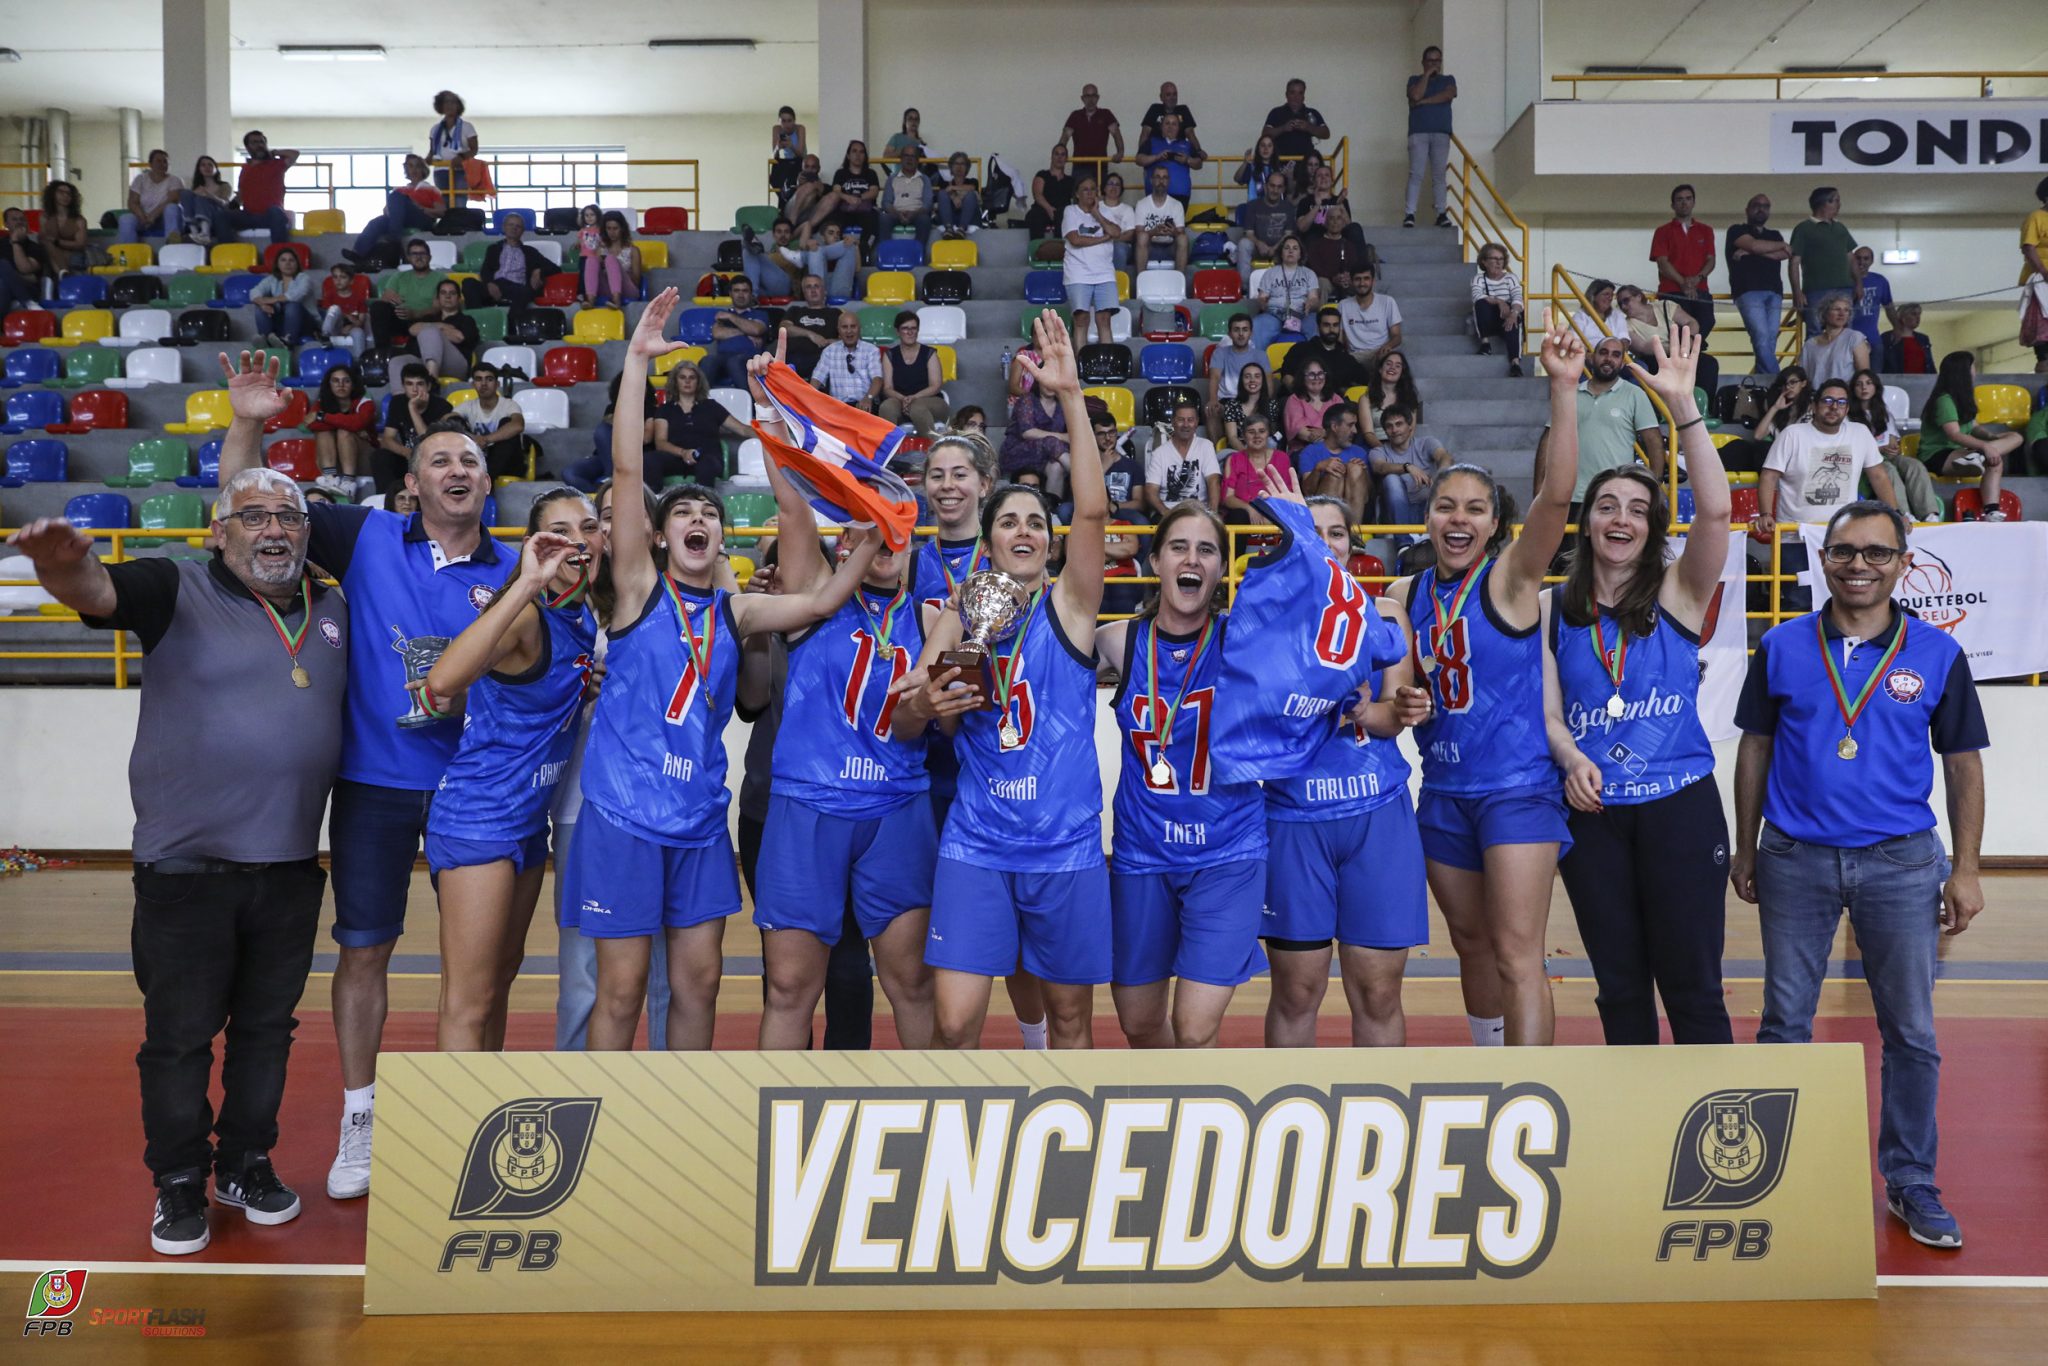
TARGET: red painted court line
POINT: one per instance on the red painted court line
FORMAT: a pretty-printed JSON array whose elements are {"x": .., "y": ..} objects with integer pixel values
[{"x": 75, "y": 1111}]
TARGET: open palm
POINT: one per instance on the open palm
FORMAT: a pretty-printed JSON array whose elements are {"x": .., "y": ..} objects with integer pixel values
[{"x": 252, "y": 386}]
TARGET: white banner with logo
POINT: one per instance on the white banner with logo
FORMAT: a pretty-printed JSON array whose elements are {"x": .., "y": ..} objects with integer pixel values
[
  {"x": 1981, "y": 583},
  {"x": 1917, "y": 139},
  {"x": 1724, "y": 640}
]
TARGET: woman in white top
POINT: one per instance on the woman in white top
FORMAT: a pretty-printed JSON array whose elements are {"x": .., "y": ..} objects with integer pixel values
[
  {"x": 1288, "y": 295},
  {"x": 1497, "y": 306},
  {"x": 450, "y": 139},
  {"x": 1838, "y": 351},
  {"x": 1604, "y": 320}
]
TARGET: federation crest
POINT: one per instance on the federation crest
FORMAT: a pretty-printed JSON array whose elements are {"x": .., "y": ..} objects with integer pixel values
[
  {"x": 56, "y": 1294},
  {"x": 1731, "y": 1149},
  {"x": 1904, "y": 685},
  {"x": 526, "y": 1158}
]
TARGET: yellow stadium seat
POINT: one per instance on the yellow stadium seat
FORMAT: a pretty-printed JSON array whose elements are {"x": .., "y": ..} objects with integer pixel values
[
  {"x": 458, "y": 276},
  {"x": 664, "y": 364},
  {"x": 1224, "y": 215},
  {"x": 1123, "y": 286},
  {"x": 955, "y": 255},
  {"x": 653, "y": 255},
  {"x": 949, "y": 363},
  {"x": 230, "y": 257},
  {"x": 891, "y": 287},
  {"x": 1721, "y": 439},
  {"x": 83, "y": 325},
  {"x": 595, "y": 325},
  {"x": 742, "y": 567},
  {"x": 123, "y": 257},
  {"x": 1356, "y": 392},
  {"x": 1121, "y": 405},
  {"x": 1276, "y": 353},
  {"x": 2006, "y": 403},
  {"x": 208, "y": 410},
  {"x": 324, "y": 220},
  {"x": 1239, "y": 565},
  {"x": 455, "y": 398}
]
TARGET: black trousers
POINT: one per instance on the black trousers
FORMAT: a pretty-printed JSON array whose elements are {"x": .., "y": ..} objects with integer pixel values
[
  {"x": 849, "y": 981},
  {"x": 219, "y": 950},
  {"x": 1648, "y": 885},
  {"x": 1486, "y": 318}
]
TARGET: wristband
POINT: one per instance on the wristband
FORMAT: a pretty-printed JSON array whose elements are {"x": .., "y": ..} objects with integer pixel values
[{"x": 1694, "y": 423}]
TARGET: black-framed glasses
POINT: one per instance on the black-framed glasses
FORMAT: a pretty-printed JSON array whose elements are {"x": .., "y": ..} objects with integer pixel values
[
  {"x": 1832, "y": 401},
  {"x": 1876, "y": 556},
  {"x": 255, "y": 519}
]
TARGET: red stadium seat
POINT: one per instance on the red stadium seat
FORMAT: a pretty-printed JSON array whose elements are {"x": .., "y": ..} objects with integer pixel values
[
  {"x": 296, "y": 458},
  {"x": 1742, "y": 504},
  {"x": 297, "y": 409},
  {"x": 26, "y": 328},
  {"x": 1364, "y": 565},
  {"x": 95, "y": 410},
  {"x": 1968, "y": 505},
  {"x": 304, "y": 253},
  {"x": 666, "y": 218},
  {"x": 1218, "y": 286},
  {"x": 567, "y": 365},
  {"x": 559, "y": 291}
]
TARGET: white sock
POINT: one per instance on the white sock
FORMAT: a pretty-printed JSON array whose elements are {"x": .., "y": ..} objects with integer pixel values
[
  {"x": 359, "y": 1100},
  {"x": 1488, "y": 1031},
  {"x": 1034, "y": 1034}
]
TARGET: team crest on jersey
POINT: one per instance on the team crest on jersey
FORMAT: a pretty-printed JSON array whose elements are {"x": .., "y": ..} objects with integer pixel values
[
  {"x": 330, "y": 632},
  {"x": 481, "y": 595},
  {"x": 1904, "y": 685}
]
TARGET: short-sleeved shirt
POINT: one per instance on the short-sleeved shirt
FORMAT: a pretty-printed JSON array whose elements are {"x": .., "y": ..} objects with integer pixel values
[
  {"x": 1153, "y": 215},
  {"x": 1094, "y": 264},
  {"x": 1431, "y": 118},
  {"x": 446, "y": 142},
  {"x": 1422, "y": 450},
  {"x": 1867, "y": 314},
  {"x": 1608, "y": 424},
  {"x": 1749, "y": 273},
  {"x": 2034, "y": 233},
  {"x": 1182, "y": 478},
  {"x": 154, "y": 194},
  {"x": 1823, "y": 250},
  {"x": 398, "y": 417},
  {"x": 1227, "y": 363},
  {"x": 909, "y": 192},
  {"x": 414, "y": 288},
  {"x": 1340, "y": 372},
  {"x": 1294, "y": 144},
  {"x": 262, "y": 185},
  {"x": 1935, "y": 442},
  {"x": 851, "y": 182},
  {"x": 1689, "y": 246},
  {"x": 1269, "y": 222},
  {"x": 1179, "y": 179},
  {"x": 1122, "y": 478},
  {"x": 1157, "y": 111},
  {"x": 849, "y": 371},
  {"x": 1248, "y": 485},
  {"x": 482, "y": 423},
  {"x": 1821, "y": 470},
  {"x": 1091, "y": 131},
  {"x": 1367, "y": 326}
]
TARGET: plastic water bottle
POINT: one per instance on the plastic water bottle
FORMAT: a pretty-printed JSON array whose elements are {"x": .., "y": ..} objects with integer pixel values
[{"x": 1008, "y": 355}]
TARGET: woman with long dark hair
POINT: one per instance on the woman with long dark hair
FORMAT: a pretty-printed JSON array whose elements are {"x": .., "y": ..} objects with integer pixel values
[
  {"x": 1391, "y": 382},
  {"x": 1917, "y": 497},
  {"x": 1788, "y": 400},
  {"x": 618, "y": 260},
  {"x": 344, "y": 424},
  {"x": 854, "y": 199},
  {"x": 1949, "y": 444},
  {"x": 65, "y": 232},
  {"x": 283, "y": 301},
  {"x": 1255, "y": 395},
  {"x": 1621, "y": 671}
]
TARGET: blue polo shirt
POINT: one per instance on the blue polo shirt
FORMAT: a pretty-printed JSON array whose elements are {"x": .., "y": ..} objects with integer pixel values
[
  {"x": 399, "y": 586},
  {"x": 1316, "y": 452},
  {"x": 1179, "y": 179},
  {"x": 1813, "y": 794}
]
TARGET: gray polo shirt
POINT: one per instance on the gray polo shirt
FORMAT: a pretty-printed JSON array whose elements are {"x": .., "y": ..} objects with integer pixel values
[
  {"x": 1608, "y": 424},
  {"x": 231, "y": 761}
]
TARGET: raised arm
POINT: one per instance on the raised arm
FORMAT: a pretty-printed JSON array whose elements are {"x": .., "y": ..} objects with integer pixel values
[
  {"x": 255, "y": 399},
  {"x": 66, "y": 567},
  {"x": 793, "y": 611},
  {"x": 1528, "y": 559},
  {"x": 633, "y": 571},
  {"x": 508, "y": 631},
  {"x": 1077, "y": 597},
  {"x": 1706, "y": 545}
]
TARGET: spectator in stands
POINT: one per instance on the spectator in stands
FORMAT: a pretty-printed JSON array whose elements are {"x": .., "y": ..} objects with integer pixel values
[
  {"x": 1812, "y": 470},
  {"x": 1267, "y": 223},
  {"x": 595, "y": 469},
  {"x": 851, "y": 369},
  {"x": 2036, "y": 436},
  {"x": 1614, "y": 417},
  {"x": 1787, "y": 401},
  {"x": 1371, "y": 320},
  {"x": 405, "y": 296},
  {"x": 282, "y": 302},
  {"x": 497, "y": 424},
  {"x": 1950, "y": 445},
  {"x": 1226, "y": 362},
  {"x": 1182, "y": 467},
  {"x": 1497, "y": 306},
  {"x": 826, "y": 253},
  {"x": 514, "y": 273},
  {"x": 1294, "y": 127},
  {"x": 412, "y": 207},
  {"x": 1052, "y": 190},
  {"x": 65, "y": 233},
  {"x": 260, "y": 189},
  {"x": 1756, "y": 280},
  {"x": 1244, "y": 475},
  {"x": 808, "y": 326},
  {"x": 1301, "y": 416},
  {"x": 2034, "y": 272},
  {"x": 1089, "y": 271},
  {"x": 1683, "y": 251},
  {"x": 1337, "y": 250},
  {"x": 1123, "y": 473},
  {"x": 1112, "y": 207},
  {"x": 1256, "y": 394},
  {"x": 1430, "y": 93},
  {"x": 1338, "y": 466},
  {"x": 786, "y": 150},
  {"x": 206, "y": 203},
  {"x": 1821, "y": 248},
  {"x": 1170, "y": 148},
  {"x": 1905, "y": 348},
  {"x": 446, "y": 338},
  {"x": 909, "y": 137},
  {"x": 1286, "y": 296},
  {"x": 153, "y": 209},
  {"x": 911, "y": 379},
  {"x": 616, "y": 265},
  {"x": 1605, "y": 318},
  {"x": 1162, "y": 222},
  {"x": 451, "y": 139},
  {"x": 689, "y": 429},
  {"x": 1261, "y": 163},
  {"x": 1917, "y": 496},
  {"x": 1312, "y": 210},
  {"x": 344, "y": 428},
  {"x": 908, "y": 200},
  {"x": 1836, "y": 350},
  {"x": 958, "y": 203},
  {"x": 852, "y": 200},
  {"x": 772, "y": 269},
  {"x": 1034, "y": 449},
  {"x": 1167, "y": 103},
  {"x": 407, "y": 416},
  {"x": 344, "y": 303},
  {"x": 804, "y": 192},
  {"x": 1873, "y": 295},
  {"x": 227, "y": 876},
  {"x": 1390, "y": 382},
  {"x": 1090, "y": 130},
  {"x": 738, "y": 334},
  {"x": 1646, "y": 327},
  {"x": 22, "y": 265},
  {"x": 1404, "y": 463},
  {"x": 973, "y": 419},
  {"x": 1326, "y": 348}
]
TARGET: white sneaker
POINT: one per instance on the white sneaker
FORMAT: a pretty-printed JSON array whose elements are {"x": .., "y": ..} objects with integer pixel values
[
  {"x": 1993, "y": 515},
  {"x": 1973, "y": 461},
  {"x": 349, "y": 1177}
]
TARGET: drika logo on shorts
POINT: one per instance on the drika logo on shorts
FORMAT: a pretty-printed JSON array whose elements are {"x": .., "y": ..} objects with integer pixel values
[
  {"x": 52, "y": 1300},
  {"x": 1729, "y": 1154},
  {"x": 524, "y": 1161}
]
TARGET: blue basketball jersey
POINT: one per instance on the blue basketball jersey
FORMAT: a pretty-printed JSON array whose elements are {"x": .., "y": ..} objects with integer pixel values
[
  {"x": 1486, "y": 731},
  {"x": 655, "y": 762},
  {"x": 937, "y": 567},
  {"x": 1354, "y": 772},
  {"x": 1304, "y": 637},
  {"x": 1657, "y": 745},
  {"x": 516, "y": 737},
  {"x": 1191, "y": 819},
  {"x": 834, "y": 751},
  {"x": 1035, "y": 806}
]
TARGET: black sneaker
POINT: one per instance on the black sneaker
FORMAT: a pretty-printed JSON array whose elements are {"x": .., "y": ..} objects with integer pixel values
[
  {"x": 747, "y": 236},
  {"x": 1408, "y": 221},
  {"x": 1486, "y": 348},
  {"x": 254, "y": 1187},
  {"x": 1443, "y": 220},
  {"x": 179, "y": 1228},
  {"x": 1514, "y": 369}
]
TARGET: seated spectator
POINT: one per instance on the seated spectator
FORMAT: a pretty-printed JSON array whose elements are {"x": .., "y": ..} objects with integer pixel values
[
  {"x": 1182, "y": 465},
  {"x": 1872, "y": 296},
  {"x": 808, "y": 325},
  {"x": 1091, "y": 230},
  {"x": 850, "y": 369},
  {"x": 1244, "y": 475},
  {"x": 1090, "y": 130},
  {"x": 1226, "y": 362},
  {"x": 1917, "y": 496},
  {"x": 1052, "y": 189},
  {"x": 1838, "y": 350},
  {"x": 1020, "y": 381},
  {"x": 804, "y": 191},
  {"x": 958, "y": 205},
  {"x": 786, "y": 150},
  {"x": 907, "y": 202},
  {"x": 259, "y": 191},
  {"x": 595, "y": 469},
  {"x": 206, "y": 203},
  {"x": 281, "y": 302},
  {"x": 412, "y": 207},
  {"x": 1497, "y": 306},
  {"x": 854, "y": 199},
  {"x": 1371, "y": 320},
  {"x": 1811, "y": 472},
  {"x": 611, "y": 274},
  {"x": 65, "y": 234},
  {"x": 1906, "y": 348},
  {"x": 1683, "y": 251},
  {"x": 407, "y": 417},
  {"x": 1646, "y": 325},
  {"x": 1034, "y": 449},
  {"x": 1162, "y": 223},
  {"x": 738, "y": 334},
  {"x": 971, "y": 419},
  {"x": 1167, "y": 103},
  {"x": 1388, "y": 383},
  {"x": 2036, "y": 434},
  {"x": 911, "y": 378},
  {"x": 1261, "y": 163},
  {"x": 1305, "y": 171},
  {"x": 1338, "y": 251},
  {"x": 1312, "y": 210},
  {"x": 1268, "y": 222},
  {"x": 909, "y": 137},
  {"x": 1338, "y": 466},
  {"x": 1404, "y": 463},
  {"x": 497, "y": 424},
  {"x": 1301, "y": 417},
  {"x": 1327, "y": 349},
  {"x": 1605, "y": 318},
  {"x": 514, "y": 272},
  {"x": 1125, "y": 215},
  {"x": 1786, "y": 402},
  {"x": 1288, "y": 294},
  {"x": 1123, "y": 474},
  {"x": 344, "y": 304},
  {"x": 1177, "y": 153},
  {"x": 690, "y": 427},
  {"x": 23, "y": 265},
  {"x": 446, "y": 338},
  {"x": 344, "y": 428},
  {"x": 1256, "y": 394},
  {"x": 1950, "y": 445},
  {"x": 775, "y": 268},
  {"x": 826, "y": 253},
  {"x": 1295, "y": 127},
  {"x": 405, "y": 296},
  {"x": 153, "y": 209}
]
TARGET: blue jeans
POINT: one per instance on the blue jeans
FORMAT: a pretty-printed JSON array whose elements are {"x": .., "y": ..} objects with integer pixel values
[
  {"x": 171, "y": 220},
  {"x": 1761, "y": 309},
  {"x": 837, "y": 265},
  {"x": 725, "y": 362},
  {"x": 768, "y": 276},
  {"x": 293, "y": 322},
  {"x": 400, "y": 216},
  {"x": 576, "y": 966},
  {"x": 1400, "y": 504},
  {"x": 1893, "y": 892},
  {"x": 967, "y": 215}
]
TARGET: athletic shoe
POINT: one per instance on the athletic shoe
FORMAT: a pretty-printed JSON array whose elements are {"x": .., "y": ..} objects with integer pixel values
[
  {"x": 1970, "y": 461},
  {"x": 1408, "y": 221},
  {"x": 1919, "y": 1209},
  {"x": 1443, "y": 220},
  {"x": 1993, "y": 515},
  {"x": 1486, "y": 348},
  {"x": 747, "y": 236},
  {"x": 349, "y": 1177},
  {"x": 256, "y": 1191},
  {"x": 179, "y": 1227},
  {"x": 1514, "y": 369}
]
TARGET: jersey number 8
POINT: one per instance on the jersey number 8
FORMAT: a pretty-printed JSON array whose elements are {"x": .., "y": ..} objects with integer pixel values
[{"x": 1341, "y": 632}]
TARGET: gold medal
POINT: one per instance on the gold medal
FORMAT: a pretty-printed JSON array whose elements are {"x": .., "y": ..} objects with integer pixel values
[
  {"x": 1615, "y": 706},
  {"x": 300, "y": 678},
  {"x": 1847, "y": 748},
  {"x": 1162, "y": 772},
  {"x": 1007, "y": 733}
]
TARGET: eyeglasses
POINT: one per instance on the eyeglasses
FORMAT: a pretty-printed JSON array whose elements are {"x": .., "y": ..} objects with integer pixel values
[
  {"x": 1833, "y": 401},
  {"x": 255, "y": 519},
  {"x": 1876, "y": 556}
]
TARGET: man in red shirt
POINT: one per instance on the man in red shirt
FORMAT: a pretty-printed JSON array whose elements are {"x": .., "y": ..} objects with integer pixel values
[
  {"x": 1684, "y": 253},
  {"x": 1090, "y": 130},
  {"x": 260, "y": 191}
]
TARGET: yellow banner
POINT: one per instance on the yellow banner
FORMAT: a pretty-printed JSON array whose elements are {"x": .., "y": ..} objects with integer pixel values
[{"x": 551, "y": 1182}]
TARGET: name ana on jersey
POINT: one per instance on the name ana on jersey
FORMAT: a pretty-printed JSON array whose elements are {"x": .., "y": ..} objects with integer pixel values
[
  {"x": 674, "y": 766},
  {"x": 1583, "y": 719}
]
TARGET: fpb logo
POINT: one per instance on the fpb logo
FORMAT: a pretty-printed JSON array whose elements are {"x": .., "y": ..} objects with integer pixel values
[
  {"x": 526, "y": 1158},
  {"x": 52, "y": 1300},
  {"x": 1730, "y": 1153}
]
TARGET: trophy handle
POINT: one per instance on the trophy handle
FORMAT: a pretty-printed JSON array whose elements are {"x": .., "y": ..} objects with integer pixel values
[{"x": 975, "y": 667}]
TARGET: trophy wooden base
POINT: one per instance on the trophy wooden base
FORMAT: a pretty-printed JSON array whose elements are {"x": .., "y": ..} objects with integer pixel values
[{"x": 975, "y": 668}]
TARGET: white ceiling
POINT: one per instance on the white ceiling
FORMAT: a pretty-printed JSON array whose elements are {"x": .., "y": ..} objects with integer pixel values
[{"x": 508, "y": 58}]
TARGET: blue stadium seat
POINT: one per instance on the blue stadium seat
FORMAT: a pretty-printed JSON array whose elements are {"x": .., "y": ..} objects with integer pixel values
[
  {"x": 30, "y": 365},
  {"x": 531, "y": 216},
  {"x": 1685, "y": 504},
  {"x": 41, "y": 461},
  {"x": 316, "y": 361},
  {"x": 490, "y": 509},
  {"x": 81, "y": 291},
  {"x": 898, "y": 253},
  {"x": 209, "y": 468},
  {"x": 693, "y": 325},
  {"x": 32, "y": 408},
  {"x": 1167, "y": 363},
  {"x": 100, "y": 512},
  {"x": 1045, "y": 287},
  {"x": 234, "y": 291}
]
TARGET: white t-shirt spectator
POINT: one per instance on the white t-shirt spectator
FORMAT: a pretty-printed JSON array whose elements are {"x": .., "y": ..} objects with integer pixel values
[
  {"x": 1094, "y": 264},
  {"x": 1182, "y": 478},
  {"x": 154, "y": 193},
  {"x": 1590, "y": 329},
  {"x": 480, "y": 422},
  {"x": 1366, "y": 327},
  {"x": 1153, "y": 214},
  {"x": 1821, "y": 470}
]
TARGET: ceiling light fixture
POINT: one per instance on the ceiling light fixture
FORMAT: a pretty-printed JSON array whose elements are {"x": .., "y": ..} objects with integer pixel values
[
  {"x": 346, "y": 52},
  {"x": 657, "y": 44}
]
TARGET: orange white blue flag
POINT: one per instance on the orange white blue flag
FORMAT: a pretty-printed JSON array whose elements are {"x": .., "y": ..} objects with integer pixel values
[{"x": 838, "y": 457}]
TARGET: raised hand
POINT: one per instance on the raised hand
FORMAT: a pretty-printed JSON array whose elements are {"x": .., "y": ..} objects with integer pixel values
[
  {"x": 541, "y": 558},
  {"x": 648, "y": 340},
  {"x": 1564, "y": 354},
  {"x": 49, "y": 542},
  {"x": 252, "y": 386},
  {"x": 1678, "y": 363},
  {"x": 1054, "y": 367},
  {"x": 1277, "y": 487},
  {"x": 757, "y": 367}
]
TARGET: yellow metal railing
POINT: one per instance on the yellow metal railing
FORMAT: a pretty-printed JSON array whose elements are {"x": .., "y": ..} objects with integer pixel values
[
  {"x": 323, "y": 187},
  {"x": 1486, "y": 216},
  {"x": 1562, "y": 289},
  {"x": 1219, "y": 188},
  {"x": 580, "y": 175},
  {"x": 1778, "y": 78}
]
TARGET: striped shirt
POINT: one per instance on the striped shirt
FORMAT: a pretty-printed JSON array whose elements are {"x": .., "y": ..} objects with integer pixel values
[
  {"x": 1506, "y": 290},
  {"x": 849, "y": 371}
]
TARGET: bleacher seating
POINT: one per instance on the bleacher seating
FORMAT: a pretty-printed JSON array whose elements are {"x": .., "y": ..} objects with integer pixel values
[
  {"x": 37, "y": 461},
  {"x": 89, "y": 365},
  {"x": 132, "y": 291},
  {"x": 157, "y": 460},
  {"x": 1121, "y": 405},
  {"x": 165, "y": 511},
  {"x": 1104, "y": 363},
  {"x": 946, "y": 287},
  {"x": 294, "y": 456},
  {"x": 81, "y": 291},
  {"x": 1157, "y": 405},
  {"x": 941, "y": 323},
  {"x": 151, "y": 365},
  {"x": 82, "y": 326},
  {"x": 565, "y": 366},
  {"x": 545, "y": 409},
  {"x": 314, "y": 362},
  {"x": 205, "y": 411},
  {"x": 595, "y": 326},
  {"x": 123, "y": 257},
  {"x": 95, "y": 410},
  {"x": 229, "y": 257},
  {"x": 140, "y": 325},
  {"x": 99, "y": 512},
  {"x": 1167, "y": 363},
  {"x": 666, "y": 218},
  {"x": 24, "y": 327},
  {"x": 24, "y": 366},
  {"x": 32, "y": 409}
]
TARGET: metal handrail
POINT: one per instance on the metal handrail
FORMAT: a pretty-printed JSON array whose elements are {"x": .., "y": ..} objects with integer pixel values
[
  {"x": 571, "y": 162},
  {"x": 1469, "y": 242},
  {"x": 1778, "y": 78},
  {"x": 324, "y": 168},
  {"x": 1559, "y": 276},
  {"x": 1223, "y": 167}
]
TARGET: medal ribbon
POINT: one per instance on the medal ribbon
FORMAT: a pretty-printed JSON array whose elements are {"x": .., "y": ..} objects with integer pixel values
[
  {"x": 1616, "y": 662},
  {"x": 1851, "y": 710},
  {"x": 700, "y": 649},
  {"x": 887, "y": 627},
  {"x": 569, "y": 597},
  {"x": 1006, "y": 670},
  {"x": 1443, "y": 623},
  {"x": 1162, "y": 722},
  {"x": 973, "y": 562},
  {"x": 292, "y": 639}
]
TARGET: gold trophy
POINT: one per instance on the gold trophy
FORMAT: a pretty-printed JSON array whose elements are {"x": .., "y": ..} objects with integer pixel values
[{"x": 990, "y": 602}]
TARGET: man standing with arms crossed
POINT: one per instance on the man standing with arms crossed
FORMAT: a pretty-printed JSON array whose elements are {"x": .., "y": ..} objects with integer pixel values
[{"x": 412, "y": 583}]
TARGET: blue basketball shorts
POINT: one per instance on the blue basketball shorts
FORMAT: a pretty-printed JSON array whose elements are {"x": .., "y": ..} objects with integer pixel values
[
  {"x": 445, "y": 851},
  {"x": 1457, "y": 830},
  {"x": 984, "y": 921},
  {"x": 811, "y": 860},
  {"x": 1199, "y": 924},
  {"x": 1356, "y": 879},
  {"x": 623, "y": 886}
]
